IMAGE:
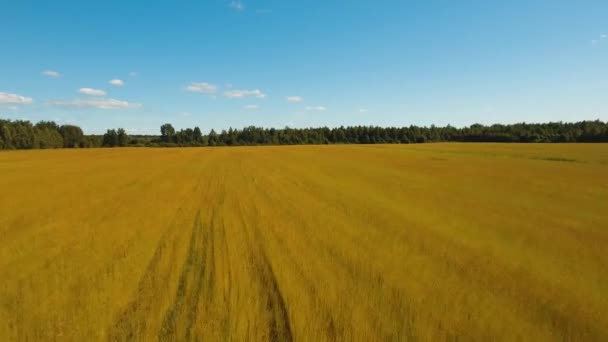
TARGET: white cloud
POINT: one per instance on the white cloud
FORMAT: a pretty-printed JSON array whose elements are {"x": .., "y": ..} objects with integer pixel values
[
  {"x": 604, "y": 36},
  {"x": 202, "y": 87},
  {"x": 239, "y": 94},
  {"x": 237, "y": 5},
  {"x": 96, "y": 103},
  {"x": 251, "y": 107},
  {"x": 92, "y": 92},
  {"x": 14, "y": 99},
  {"x": 51, "y": 73},
  {"x": 116, "y": 82},
  {"x": 295, "y": 99},
  {"x": 316, "y": 109}
]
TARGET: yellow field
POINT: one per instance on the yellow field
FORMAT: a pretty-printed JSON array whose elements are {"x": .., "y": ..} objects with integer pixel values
[{"x": 309, "y": 243}]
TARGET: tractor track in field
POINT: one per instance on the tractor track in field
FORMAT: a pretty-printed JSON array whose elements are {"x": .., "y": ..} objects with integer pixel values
[
  {"x": 196, "y": 279},
  {"x": 279, "y": 326},
  {"x": 132, "y": 321}
]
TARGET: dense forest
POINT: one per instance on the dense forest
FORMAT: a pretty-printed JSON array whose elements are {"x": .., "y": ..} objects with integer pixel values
[{"x": 48, "y": 134}]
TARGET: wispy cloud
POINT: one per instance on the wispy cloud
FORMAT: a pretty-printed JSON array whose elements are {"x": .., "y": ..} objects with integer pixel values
[
  {"x": 52, "y": 73},
  {"x": 92, "y": 92},
  {"x": 133, "y": 74},
  {"x": 14, "y": 99},
  {"x": 239, "y": 94},
  {"x": 251, "y": 107},
  {"x": 201, "y": 87},
  {"x": 117, "y": 82},
  {"x": 596, "y": 41},
  {"x": 363, "y": 110},
  {"x": 294, "y": 99},
  {"x": 95, "y": 103},
  {"x": 237, "y": 5},
  {"x": 316, "y": 109}
]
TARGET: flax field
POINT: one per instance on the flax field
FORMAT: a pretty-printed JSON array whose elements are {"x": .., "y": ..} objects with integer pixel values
[{"x": 424, "y": 242}]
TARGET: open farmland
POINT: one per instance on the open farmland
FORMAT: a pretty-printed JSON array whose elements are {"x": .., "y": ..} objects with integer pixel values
[{"x": 402, "y": 242}]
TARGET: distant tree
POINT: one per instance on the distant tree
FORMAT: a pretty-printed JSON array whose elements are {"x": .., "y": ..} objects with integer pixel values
[
  {"x": 167, "y": 133},
  {"x": 72, "y": 136},
  {"x": 188, "y": 134},
  {"x": 6, "y": 137},
  {"x": 213, "y": 138},
  {"x": 197, "y": 135},
  {"x": 110, "y": 139},
  {"x": 46, "y": 135},
  {"x": 90, "y": 141},
  {"x": 122, "y": 137}
]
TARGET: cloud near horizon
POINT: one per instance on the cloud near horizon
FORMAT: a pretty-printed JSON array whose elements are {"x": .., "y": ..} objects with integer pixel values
[
  {"x": 237, "y": 5},
  {"x": 117, "y": 82},
  {"x": 316, "y": 109},
  {"x": 239, "y": 94},
  {"x": 95, "y": 103},
  {"x": 14, "y": 99},
  {"x": 52, "y": 73},
  {"x": 92, "y": 92},
  {"x": 201, "y": 87},
  {"x": 294, "y": 99}
]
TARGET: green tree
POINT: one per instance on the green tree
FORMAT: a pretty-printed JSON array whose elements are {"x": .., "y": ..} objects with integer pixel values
[
  {"x": 6, "y": 136},
  {"x": 72, "y": 136},
  {"x": 122, "y": 137},
  {"x": 213, "y": 138},
  {"x": 167, "y": 133},
  {"x": 110, "y": 139},
  {"x": 197, "y": 135}
]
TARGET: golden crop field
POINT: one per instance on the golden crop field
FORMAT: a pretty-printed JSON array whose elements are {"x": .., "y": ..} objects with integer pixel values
[{"x": 308, "y": 243}]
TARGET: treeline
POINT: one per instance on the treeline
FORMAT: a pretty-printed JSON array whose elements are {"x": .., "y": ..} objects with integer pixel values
[
  {"x": 585, "y": 131},
  {"x": 47, "y": 134}
]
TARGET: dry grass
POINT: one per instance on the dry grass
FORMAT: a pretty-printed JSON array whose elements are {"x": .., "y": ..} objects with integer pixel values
[{"x": 425, "y": 242}]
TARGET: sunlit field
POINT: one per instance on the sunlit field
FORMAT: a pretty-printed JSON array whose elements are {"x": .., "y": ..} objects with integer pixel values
[{"x": 309, "y": 243}]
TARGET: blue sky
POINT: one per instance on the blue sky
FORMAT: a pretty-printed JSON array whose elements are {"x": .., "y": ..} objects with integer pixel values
[{"x": 220, "y": 64}]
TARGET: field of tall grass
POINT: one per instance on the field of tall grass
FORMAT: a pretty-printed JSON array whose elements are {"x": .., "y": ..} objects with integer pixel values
[{"x": 309, "y": 243}]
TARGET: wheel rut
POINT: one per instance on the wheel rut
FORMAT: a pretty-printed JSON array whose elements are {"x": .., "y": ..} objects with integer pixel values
[
  {"x": 132, "y": 321},
  {"x": 279, "y": 327},
  {"x": 196, "y": 278}
]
